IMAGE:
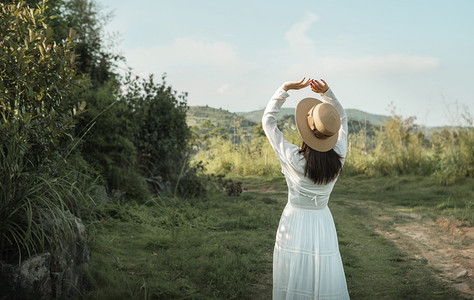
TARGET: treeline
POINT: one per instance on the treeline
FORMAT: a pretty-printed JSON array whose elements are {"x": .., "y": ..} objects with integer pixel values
[
  {"x": 399, "y": 147},
  {"x": 74, "y": 132}
]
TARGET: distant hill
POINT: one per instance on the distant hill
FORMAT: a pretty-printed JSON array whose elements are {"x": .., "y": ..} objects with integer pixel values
[
  {"x": 256, "y": 115},
  {"x": 359, "y": 115},
  {"x": 353, "y": 114},
  {"x": 197, "y": 115}
]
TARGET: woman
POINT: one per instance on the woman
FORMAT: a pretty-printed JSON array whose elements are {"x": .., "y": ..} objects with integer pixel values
[{"x": 306, "y": 259}]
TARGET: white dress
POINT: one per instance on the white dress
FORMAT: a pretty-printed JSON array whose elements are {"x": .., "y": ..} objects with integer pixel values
[{"x": 306, "y": 259}]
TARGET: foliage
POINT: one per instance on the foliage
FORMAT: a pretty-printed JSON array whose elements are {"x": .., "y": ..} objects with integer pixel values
[
  {"x": 87, "y": 19},
  {"x": 107, "y": 141},
  {"x": 36, "y": 76},
  {"x": 454, "y": 153},
  {"x": 159, "y": 128},
  {"x": 192, "y": 182},
  {"x": 135, "y": 134},
  {"x": 65, "y": 138},
  {"x": 232, "y": 187},
  {"x": 254, "y": 157},
  {"x": 33, "y": 204},
  {"x": 231, "y": 124},
  {"x": 400, "y": 147},
  {"x": 94, "y": 58}
]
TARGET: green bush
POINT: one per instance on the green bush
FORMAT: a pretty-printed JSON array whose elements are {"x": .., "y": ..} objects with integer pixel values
[
  {"x": 36, "y": 76},
  {"x": 400, "y": 148},
  {"x": 107, "y": 141},
  {"x": 454, "y": 154},
  {"x": 135, "y": 134},
  {"x": 253, "y": 157},
  {"x": 159, "y": 129}
]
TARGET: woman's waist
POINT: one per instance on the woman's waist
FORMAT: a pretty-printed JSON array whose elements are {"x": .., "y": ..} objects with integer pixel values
[
  {"x": 314, "y": 203},
  {"x": 314, "y": 199}
]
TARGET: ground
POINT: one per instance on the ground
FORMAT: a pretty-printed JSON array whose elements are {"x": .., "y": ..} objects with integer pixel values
[{"x": 444, "y": 243}]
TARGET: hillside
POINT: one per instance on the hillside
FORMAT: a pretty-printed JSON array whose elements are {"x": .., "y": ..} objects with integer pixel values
[
  {"x": 197, "y": 115},
  {"x": 256, "y": 115},
  {"x": 360, "y": 115},
  {"x": 353, "y": 114}
]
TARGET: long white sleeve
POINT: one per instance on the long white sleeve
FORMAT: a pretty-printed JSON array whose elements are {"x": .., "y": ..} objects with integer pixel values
[
  {"x": 284, "y": 150},
  {"x": 341, "y": 145}
]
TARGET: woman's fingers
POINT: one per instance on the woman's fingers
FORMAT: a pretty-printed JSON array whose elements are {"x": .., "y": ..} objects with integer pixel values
[
  {"x": 319, "y": 87},
  {"x": 316, "y": 86},
  {"x": 317, "y": 83},
  {"x": 296, "y": 85}
]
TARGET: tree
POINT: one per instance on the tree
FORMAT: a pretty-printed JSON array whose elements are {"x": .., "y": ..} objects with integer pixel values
[
  {"x": 36, "y": 75},
  {"x": 161, "y": 134}
]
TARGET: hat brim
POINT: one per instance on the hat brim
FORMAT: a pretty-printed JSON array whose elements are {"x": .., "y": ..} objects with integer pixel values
[{"x": 301, "y": 113}]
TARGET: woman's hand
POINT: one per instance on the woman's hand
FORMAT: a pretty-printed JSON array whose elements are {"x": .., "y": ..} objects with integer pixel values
[
  {"x": 319, "y": 87},
  {"x": 295, "y": 85}
]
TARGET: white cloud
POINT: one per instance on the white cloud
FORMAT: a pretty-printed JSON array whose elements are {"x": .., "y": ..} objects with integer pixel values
[
  {"x": 303, "y": 48},
  {"x": 367, "y": 65},
  {"x": 223, "y": 88},
  {"x": 209, "y": 71},
  {"x": 185, "y": 53},
  {"x": 380, "y": 64},
  {"x": 300, "y": 44}
]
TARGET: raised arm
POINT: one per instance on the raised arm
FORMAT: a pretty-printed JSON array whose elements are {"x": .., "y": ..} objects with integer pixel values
[
  {"x": 283, "y": 148},
  {"x": 328, "y": 96}
]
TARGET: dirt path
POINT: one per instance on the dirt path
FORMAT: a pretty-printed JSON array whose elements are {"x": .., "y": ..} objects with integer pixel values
[{"x": 447, "y": 246}]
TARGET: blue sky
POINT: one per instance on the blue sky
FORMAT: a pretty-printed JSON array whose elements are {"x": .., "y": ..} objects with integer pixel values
[{"x": 415, "y": 54}]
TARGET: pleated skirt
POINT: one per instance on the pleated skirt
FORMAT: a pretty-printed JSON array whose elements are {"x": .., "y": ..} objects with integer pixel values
[{"x": 306, "y": 259}]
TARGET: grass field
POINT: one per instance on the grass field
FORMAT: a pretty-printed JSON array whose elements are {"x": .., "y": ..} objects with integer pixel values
[{"x": 221, "y": 247}]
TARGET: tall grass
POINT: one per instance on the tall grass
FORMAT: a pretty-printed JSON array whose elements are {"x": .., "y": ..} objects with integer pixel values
[
  {"x": 253, "y": 157},
  {"x": 34, "y": 205},
  {"x": 398, "y": 148}
]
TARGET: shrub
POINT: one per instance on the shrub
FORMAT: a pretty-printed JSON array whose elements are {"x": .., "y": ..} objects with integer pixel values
[
  {"x": 108, "y": 146},
  {"x": 253, "y": 157},
  {"x": 36, "y": 76},
  {"x": 158, "y": 124}
]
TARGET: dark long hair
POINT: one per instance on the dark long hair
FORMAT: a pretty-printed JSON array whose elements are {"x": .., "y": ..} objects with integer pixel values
[{"x": 321, "y": 167}]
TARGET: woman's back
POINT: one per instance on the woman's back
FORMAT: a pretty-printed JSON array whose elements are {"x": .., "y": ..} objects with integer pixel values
[{"x": 306, "y": 258}]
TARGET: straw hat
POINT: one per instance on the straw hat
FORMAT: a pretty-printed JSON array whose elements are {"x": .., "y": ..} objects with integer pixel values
[{"x": 318, "y": 124}]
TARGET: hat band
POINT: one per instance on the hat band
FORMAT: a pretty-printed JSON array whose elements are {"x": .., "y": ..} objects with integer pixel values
[
  {"x": 319, "y": 134},
  {"x": 312, "y": 125}
]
